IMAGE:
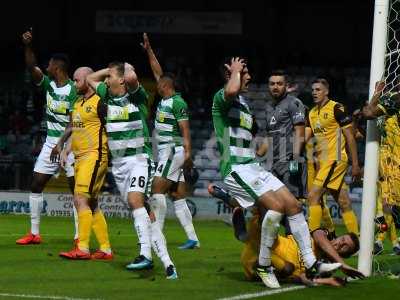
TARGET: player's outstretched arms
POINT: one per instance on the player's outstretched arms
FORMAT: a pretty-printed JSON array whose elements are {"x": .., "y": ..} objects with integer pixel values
[
  {"x": 331, "y": 281},
  {"x": 30, "y": 59},
  {"x": 352, "y": 272},
  {"x": 232, "y": 88},
  {"x": 154, "y": 64},
  {"x": 95, "y": 78},
  {"x": 324, "y": 244}
]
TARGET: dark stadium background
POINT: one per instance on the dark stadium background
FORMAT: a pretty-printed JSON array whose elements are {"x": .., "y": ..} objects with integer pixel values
[{"x": 308, "y": 37}]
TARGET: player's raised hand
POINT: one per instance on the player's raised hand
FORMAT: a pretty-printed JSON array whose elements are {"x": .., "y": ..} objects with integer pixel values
[
  {"x": 237, "y": 65},
  {"x": 350, "y": 271},
  {"x": 27, "y": 37},
  {"x": 146, "y": 42}
]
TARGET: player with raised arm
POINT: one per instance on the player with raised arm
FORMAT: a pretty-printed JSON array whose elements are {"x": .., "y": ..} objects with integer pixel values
[
  {"x": 89, "y": 145},
  {"x": 331, "y": 126},
  {"x": 60, "y": 96},
  {"x": 174, "y": 148},
  {"x": 129, "y": 144},
  {"x": 247, "y": 181}
]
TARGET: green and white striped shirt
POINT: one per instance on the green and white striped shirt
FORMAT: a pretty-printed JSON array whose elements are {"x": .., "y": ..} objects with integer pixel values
[
  {"x": 127, "y": 130},
  {"x": 169, "y": 112},
  {"x": 59, "y": 103},
  {"x": 233, "y": 122}
]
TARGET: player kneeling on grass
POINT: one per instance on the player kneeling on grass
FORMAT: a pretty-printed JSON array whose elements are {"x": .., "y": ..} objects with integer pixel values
[
  {"x": 248, "y": 182},
  {"x": 89, "y": 144},
  {"x": 129, "y": 143},
  {"x": 285, "y": 251}
]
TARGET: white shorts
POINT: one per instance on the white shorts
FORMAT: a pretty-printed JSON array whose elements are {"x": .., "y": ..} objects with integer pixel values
[
  {"x": 132, "y": 174},
  {"x": 43, "y": 164},
  {"x": 170, "y": 162},
  {"x": 247, "y": 183}
]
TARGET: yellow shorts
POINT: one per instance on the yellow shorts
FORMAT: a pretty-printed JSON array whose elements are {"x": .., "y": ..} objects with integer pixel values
[
  {"x": 89, "y": 175},
  {"x": 331, "y": 175}
]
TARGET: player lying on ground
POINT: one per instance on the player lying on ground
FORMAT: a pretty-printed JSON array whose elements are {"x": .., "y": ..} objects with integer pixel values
[
  {"x": 248, "y": 181},
  {"x": 285, "y": 252},
  {"x": 60, "y": 95},
  {"x": 129, "y": 143},
  {"x": 89, "y": 145},
  {"x": 174, "y": 149},
  {"x": 286, "y": 259}
]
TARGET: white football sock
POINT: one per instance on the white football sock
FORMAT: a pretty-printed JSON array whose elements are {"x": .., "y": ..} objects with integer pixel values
[
  {"x": 185, "y": 218},
  {"x": 76, "y": 236},
  {"x": 36, "y": 206},
  {"x": 301, "y": 233},
  {"x": 159, "y": 207},
  {"x": 142, "y": 227},
  {"x": 159, "y": 244},
  {"x": 269, "y": 232}
]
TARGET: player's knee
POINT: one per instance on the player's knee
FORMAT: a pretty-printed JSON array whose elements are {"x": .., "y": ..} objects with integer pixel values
[
  {"x": 136, "y": 200},
  {"x": 313, "y": 197},
  {"x": 81, "y": 201},
  {"x": 39, "y": 182},
  {"x": 37, "y": 186}
]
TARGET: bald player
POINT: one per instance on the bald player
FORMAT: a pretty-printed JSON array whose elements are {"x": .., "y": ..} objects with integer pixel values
[{"x": 89, "y": 145}]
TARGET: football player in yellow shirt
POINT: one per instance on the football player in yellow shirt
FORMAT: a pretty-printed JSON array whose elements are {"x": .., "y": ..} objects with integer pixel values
[
  {"x": 285, "y": 252},
  {"x": 332, "y": 128},
  {"x": 89, "y": 145}
]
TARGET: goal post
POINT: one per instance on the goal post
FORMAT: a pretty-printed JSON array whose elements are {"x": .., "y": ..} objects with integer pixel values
[{"x": 377, "y": 71}]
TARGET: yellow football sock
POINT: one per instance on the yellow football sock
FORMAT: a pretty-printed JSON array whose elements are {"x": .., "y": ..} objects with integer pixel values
[
  {"x": 326, "y": 216},
  {"x": 314, "y": 220},
  {"x": 85, "y": 218},
  {"x": 101, "y": 231},
  {"x": 350, "y": 221}
]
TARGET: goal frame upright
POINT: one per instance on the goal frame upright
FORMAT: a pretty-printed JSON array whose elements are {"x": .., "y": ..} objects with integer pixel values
[{"x": 371, "y": 165}]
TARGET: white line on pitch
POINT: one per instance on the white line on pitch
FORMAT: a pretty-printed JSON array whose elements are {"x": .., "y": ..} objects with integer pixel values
[
  {"x": 265, "y": 293},
  {"x": 42, "y": 297}
]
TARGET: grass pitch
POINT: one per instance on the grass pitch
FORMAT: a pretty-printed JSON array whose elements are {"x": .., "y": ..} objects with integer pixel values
[{"x": 211, "y": 272}]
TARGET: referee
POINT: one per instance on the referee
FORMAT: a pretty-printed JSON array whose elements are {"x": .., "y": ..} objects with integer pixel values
[{"x": 285, "y": 127}]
